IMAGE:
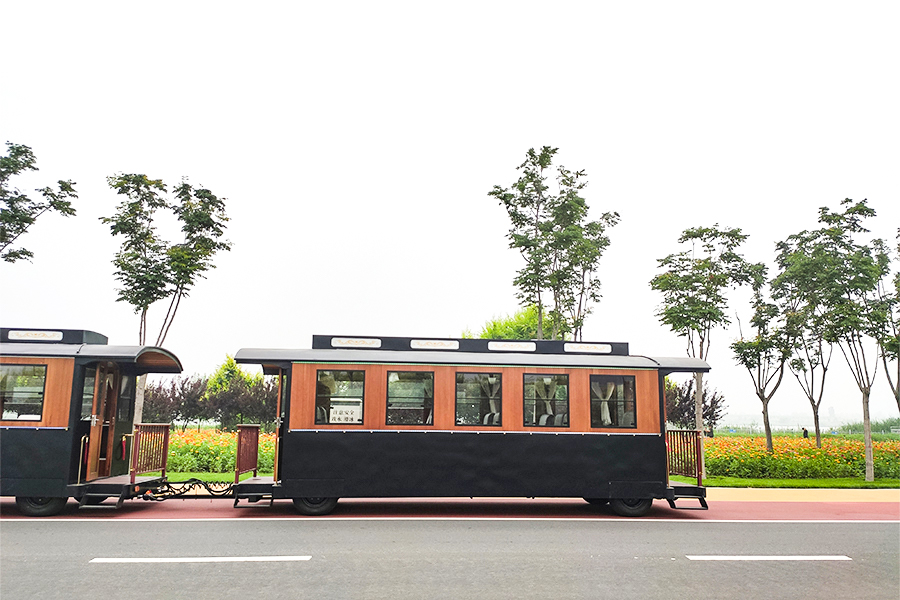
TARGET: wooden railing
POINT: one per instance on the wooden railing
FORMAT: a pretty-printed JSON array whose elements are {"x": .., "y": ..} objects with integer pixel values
[
  {"x": 247, "y": 458},
  {"x": 150, "y": 449},
  {"x": 684, "y": 449}
]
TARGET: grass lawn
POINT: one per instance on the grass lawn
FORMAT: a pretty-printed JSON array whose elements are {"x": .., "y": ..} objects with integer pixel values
[
  {"x": 836, "y": 482},
  {"x": 209, "y": 477}
]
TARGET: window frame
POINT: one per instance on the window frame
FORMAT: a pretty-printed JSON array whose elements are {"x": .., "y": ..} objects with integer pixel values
[
  {"x": 362, "y": 399},
  {"x": 481, "y": 417},
  {"x": 43, "y": 393},
  {"x": 525, "y": 399},
  {"x": 614, "y": 403},
  {"x": 425, "y": 399}
]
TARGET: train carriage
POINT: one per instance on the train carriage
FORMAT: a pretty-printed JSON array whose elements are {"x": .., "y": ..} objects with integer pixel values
[
  {"x": 67, "y": 401},
  {"x": 409, "y": 417}
]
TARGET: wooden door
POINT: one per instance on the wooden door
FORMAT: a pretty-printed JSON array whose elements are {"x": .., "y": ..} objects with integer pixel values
[{"x": 103, "y": 414}]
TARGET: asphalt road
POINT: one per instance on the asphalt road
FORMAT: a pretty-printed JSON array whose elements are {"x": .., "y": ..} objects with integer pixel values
[{"x": 395, "y": 557}]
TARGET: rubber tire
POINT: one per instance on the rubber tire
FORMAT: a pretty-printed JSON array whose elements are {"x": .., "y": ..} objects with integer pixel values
[
  {"x": 597, "y": 501},
  {"x": 631, "y": 507},
  {"x": 314, "y": 507},
  {"x": 39, "y": 506}
]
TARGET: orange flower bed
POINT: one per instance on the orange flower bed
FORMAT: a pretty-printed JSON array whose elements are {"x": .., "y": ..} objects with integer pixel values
[
  {"x": 798, "y": 458},
  {"x": 213, "y": 451}
]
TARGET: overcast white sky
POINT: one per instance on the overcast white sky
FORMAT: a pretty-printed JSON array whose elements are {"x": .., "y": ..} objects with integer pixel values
[{"x": 356, "y": 143}]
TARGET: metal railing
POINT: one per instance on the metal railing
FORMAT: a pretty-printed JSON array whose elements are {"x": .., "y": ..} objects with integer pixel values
[
  {"x": 247, "y": 458},
  {"x": 683, "y": 448},
  {"x": 150, "y": 449}
]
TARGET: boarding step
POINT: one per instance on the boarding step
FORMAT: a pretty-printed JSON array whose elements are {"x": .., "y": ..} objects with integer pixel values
[
  {"x": 255, "y": 490},
  {"x": 97, "y": 501},
  {"x": 680, "y": 492}
]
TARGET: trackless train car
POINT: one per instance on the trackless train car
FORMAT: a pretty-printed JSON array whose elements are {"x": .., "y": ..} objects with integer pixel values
[{"x": 360, "y": 417}]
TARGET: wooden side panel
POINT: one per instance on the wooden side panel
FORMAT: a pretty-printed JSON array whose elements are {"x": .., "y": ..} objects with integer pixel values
[
  {"x": 57, "y": 390},
  {"x": 303, "y": 392}
]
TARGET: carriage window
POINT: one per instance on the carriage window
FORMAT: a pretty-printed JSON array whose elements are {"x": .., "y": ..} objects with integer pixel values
[
  {"x": 478, "y": 399},
  {"x": 410, "y": 398},
  {"x": 87, "y": 393},
  {"x": 126, "y": 399},
  {"x": 339, "y": 397},
  {"x": 546, "y": 400},
  {"x": 22, "y": 392},
  {"x": 612, "y": 401}
]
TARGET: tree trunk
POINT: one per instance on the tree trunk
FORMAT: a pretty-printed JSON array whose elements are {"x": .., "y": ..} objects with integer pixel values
[
  {"x": 867, "y": 430},
  {"x": 139, "y": 386},
  {"x": 818, "y": 429},
  {"x": 765, "y": 413},
  {"x": 698, "y": 408}
]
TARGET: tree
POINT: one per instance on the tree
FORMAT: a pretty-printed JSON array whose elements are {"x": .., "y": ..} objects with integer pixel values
[
  {"x": 798, "y": 288},
  {"x": 576, "y": 249},
  {"x": 161, "y": 404},
  {"x": 680, "y": 405},
  {"x": 526, "y": 203},
  {"x": 561, "y": 250},
  {"x": 192, "y": 402},
  {"x": 765, "y": 354},
  {"x": 694, "y": 287},
  {"x": 150, "y": 269},
  {"x": 520, "y": 326},
  {"x": 19, "y": 211},
  {"x": 840, "y": 276},
  {"x": 180, "y": 399},
  {"x": 237, "y": 397}
]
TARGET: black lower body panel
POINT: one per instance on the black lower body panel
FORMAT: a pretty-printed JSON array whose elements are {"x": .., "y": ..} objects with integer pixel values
[{"x": 496, "y": 464}]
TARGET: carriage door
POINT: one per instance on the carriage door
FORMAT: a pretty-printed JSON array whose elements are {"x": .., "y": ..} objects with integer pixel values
[{"x": 103, "y": 421}]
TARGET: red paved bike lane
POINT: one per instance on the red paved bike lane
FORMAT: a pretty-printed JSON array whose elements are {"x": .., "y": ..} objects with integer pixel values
[{"x": 724, "y": 505}]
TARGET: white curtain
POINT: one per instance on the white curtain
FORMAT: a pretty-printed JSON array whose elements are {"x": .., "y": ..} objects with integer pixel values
[
  {"x": 490, "y": 390},
  {"x": 604, "y": 399}
]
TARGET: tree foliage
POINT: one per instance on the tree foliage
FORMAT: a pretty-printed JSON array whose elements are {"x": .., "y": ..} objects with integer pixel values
[
  {"x": 236, "y": 397},
  {"x": 180, "y": 399},
  {"x": 19, "y": 211},
  {"x": 695, "y": 281},
  {"x": 561, "y": 248},
  {"x": 521, "y": 325},
  {"x": 680, "y": 405}
]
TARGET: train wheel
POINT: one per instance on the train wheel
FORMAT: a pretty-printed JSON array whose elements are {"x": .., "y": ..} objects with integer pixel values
[
  {"x": 631, "y": 507},
  {"x": 597, "y": 501},
  {"x": 315, "y": 506},
  {"x": 39, "y": 506}
]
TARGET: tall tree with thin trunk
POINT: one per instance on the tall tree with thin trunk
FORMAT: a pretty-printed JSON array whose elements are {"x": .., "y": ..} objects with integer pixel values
[
  {"x": 527, "y": 203},
  {"x": 765, "y": 353},
  {"x": 694, "y": 286},
  {"x": 150, "y": 269},
  {"x": 845, "y": 275},
  {"x": 561, "y": 248},
  {"x": 798, "y": 288}
]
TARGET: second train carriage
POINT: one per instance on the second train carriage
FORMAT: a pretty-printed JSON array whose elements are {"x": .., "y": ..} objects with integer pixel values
[{"x": 409, "y": 417}]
